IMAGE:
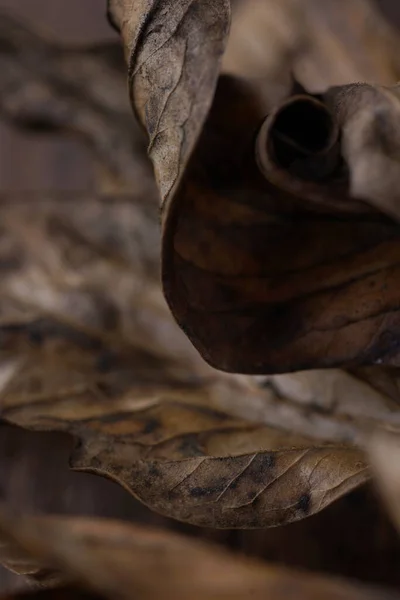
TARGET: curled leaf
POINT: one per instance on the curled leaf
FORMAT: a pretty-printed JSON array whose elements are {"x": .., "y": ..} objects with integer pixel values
[
  {"x": 283, "y": 269},
  {"x": 257, "y": 277}
]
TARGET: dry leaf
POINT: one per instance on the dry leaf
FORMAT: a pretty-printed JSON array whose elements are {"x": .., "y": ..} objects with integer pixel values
[
  {"x": 119, "y": 561},
  {"x": 253, "y": 272},
  {"x": 163, "y": 440},
  {"x": 89, "y": 348},
  {"x": 34, "y": 478},
  {"x": 256, "y": 276},
  {"x": 173, "y": 49}
]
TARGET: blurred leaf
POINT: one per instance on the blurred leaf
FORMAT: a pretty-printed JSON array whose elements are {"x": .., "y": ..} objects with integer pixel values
[
  {"x": 81, "y": 90},
  {"x": 324, "y": 42},
  {"x": 20, "y": 562},
  {"x": 89, "y": 348},
  {"x": 118, "y": 560}
]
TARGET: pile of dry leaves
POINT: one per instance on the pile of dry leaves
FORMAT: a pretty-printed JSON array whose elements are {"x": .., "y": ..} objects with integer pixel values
[{"x": 267, "y": 384}]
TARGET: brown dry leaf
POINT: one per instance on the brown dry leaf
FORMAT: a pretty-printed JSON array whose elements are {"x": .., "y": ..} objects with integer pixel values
[
  {"x": 89, "y": 348},
  {"x": 274, "y": 278},
  {"x": 34, "y": 478},
  {"x": 82, "y": 91},
  {"x": 173, "y": 49},
  {"x": 270, "y": 264},
  {"x": 117, "y": 560}
]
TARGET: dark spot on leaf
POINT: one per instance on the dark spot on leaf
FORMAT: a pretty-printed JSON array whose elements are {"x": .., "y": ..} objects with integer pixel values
[
  {"x": 154, "y": 471},
  {"x": 304, "y": 503},
  {"x": 267, "y": 461},
  {"x": 257, "y": 470},
  {"x": 199, "y": 492}
]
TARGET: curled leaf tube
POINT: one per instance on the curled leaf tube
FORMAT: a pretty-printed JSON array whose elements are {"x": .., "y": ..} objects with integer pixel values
[{"x": 300, "y": 137}]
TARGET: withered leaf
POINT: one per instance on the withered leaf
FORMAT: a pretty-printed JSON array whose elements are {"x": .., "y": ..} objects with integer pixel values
[
  {"x": 89, "y": 348},
  {"x": 117, "y": 560},
  {"x": 272, "y": 261},
  {"x": 173, "y": 49},
  {"x": 34, "y": 478},
  {"x": 274, "y": 279}
]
